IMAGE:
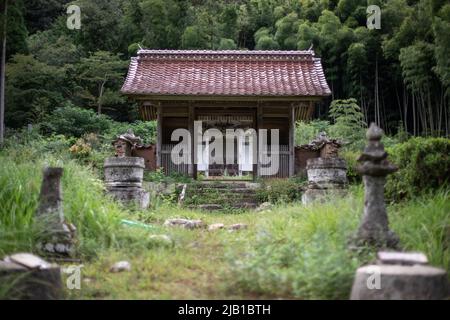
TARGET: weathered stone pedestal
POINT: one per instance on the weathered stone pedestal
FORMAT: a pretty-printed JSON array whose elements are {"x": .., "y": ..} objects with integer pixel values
[
  {"x": 28, "y": 277},
  {"x": 123, "y": 179},
  {"x": 400, "y": 279},
  {"x": 326, "y": 177},
  {"x": 59, "y": 236}
]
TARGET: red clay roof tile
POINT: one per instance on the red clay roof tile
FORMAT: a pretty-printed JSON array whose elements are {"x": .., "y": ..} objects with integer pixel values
[{"x": 225, "y": 73}]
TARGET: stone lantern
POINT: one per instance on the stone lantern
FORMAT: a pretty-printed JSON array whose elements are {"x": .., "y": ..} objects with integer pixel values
[{"x": 374, "y": 228}]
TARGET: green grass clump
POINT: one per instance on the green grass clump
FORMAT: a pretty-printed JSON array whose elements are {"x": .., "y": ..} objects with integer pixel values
[
  {"x": 423, "y": 224},
  {"x": 302, "y": 252},
  {"x": 96, "y": 216}
]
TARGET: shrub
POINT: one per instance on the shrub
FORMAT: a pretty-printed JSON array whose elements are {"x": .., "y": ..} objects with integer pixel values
[
  {"x": 424, "y": 164},
  {"x": 350, "y": 158},
  {"x": 144, "y": 129},
  {"x": 74, "y": 122},
  {"x": 349, "y": 124},
  {"x": 307, "y": 131},
  {"x": 280, "y": 190}
]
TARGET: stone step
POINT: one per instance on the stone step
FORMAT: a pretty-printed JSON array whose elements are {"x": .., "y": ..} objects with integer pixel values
[
  {"x": 222, "y": 185},
  {"x": 218, "y": 207},
  {"x": 224, "y": 191},
  {"x": 210, "y": 207},
  {"x": 245, "y": 205},
  {"x": 214, "y": 196},
  {"x": 224, "y": 195}
]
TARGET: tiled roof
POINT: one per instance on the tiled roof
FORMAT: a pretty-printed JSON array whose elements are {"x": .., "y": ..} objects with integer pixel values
[{"x": 225, "y": 73}]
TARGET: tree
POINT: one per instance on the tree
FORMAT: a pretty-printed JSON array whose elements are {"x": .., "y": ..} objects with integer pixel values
[
  {"x": 73, "y": 121},
  {"x": 33, "y": 88},
  {"x": 228, "y": 19},
  {"x": 100, "y": 28},
  {"x": 227, "y": 44},
  {"x": 52, "y": 49},
  {"x": 357, "y": 67},
  {"x": 286, "y": 31},
  {"x": 265, "y": 41},
  {"x": 17, "y": 32},
  {"x": 40, "y": 14},
  {"x": 161, "y": 23},
  {"x": 2, "y": 73},
  {"x": 441, "y": 27},
  {"x": 194, "y": 38},
  {"x": 348, "y": 121},
  {"x": 100, "y": 75}
]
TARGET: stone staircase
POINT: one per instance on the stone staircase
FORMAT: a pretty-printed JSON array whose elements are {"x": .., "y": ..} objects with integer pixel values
[{"x": 221, "y": 196}]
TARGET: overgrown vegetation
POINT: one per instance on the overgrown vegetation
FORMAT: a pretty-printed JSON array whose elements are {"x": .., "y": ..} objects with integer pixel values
[
  {"x": 63, "y": 85},
  {"x": 288, "y": 251},
  {"x": 397, "y": 73},
  {"x": 96, "y": 217},
  {"x": 280, "y": 190},
  {"x": 424, "y": 165},
  {"x": 304, "y": 253}
]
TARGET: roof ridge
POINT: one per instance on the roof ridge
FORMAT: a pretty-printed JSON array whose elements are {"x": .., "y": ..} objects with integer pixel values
[
  {"x": 246, "y": 54},
  {"x": 228, "y": 52}
]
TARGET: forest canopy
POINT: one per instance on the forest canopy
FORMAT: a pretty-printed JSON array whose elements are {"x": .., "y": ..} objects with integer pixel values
[{"x": 399, "y": 74}]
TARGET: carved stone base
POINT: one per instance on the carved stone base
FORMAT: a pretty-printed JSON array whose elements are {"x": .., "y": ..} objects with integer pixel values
[
  {"x": 327, "y": 179},
  {"x": 399, "y": 282},
  {"x": 131, "y": 195},
  {"x": 321, "y": 195}
]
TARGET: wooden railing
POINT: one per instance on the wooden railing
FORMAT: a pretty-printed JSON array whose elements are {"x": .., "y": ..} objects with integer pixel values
[
  {"x": 183, "y": 168},
  {"x": 283, "y": 164},
  {"x": 167, "y": 163}
]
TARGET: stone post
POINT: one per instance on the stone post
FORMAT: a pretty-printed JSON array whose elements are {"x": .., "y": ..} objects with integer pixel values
[
  {"x": 59, "y": 236},
  {"x": 374, "y": 228}
]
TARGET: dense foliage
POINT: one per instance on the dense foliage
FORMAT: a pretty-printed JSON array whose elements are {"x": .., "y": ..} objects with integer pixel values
[
  {"x": 424, "y": 165},
  {"x": 400, "y": 72}
]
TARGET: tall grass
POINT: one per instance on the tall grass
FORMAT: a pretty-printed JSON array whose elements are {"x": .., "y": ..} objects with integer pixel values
[
  {"x": 304, "y": 252},
  {"x": 423, "y": 224},
  {"x": 96, "y": 217}
]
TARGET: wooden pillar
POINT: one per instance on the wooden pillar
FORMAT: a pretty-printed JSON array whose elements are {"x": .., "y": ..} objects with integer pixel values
[
  {"x": 259, "y": 125},
  {"x": 191, "y": 119},
  {"x": 159, "y": 119},
  {"x": 291, "y": 140}
]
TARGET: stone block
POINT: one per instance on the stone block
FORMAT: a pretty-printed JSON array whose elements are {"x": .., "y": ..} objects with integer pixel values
[{"x": 399, "y": 282}]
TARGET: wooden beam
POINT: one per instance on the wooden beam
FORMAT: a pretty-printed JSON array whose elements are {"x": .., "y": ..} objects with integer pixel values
[
  {"x": 214, "y": 98},
  {"x": 274, "y": 115},
  {"x": 176, "y": 114}
]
